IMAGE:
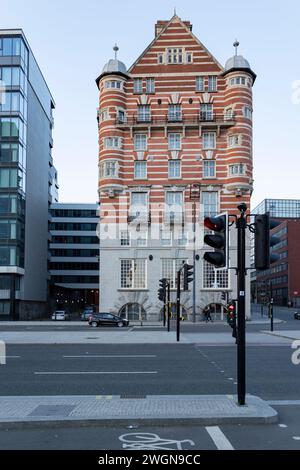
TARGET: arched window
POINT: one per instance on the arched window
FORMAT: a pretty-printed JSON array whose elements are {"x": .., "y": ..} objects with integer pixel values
[{"x": 133, "y": 311}]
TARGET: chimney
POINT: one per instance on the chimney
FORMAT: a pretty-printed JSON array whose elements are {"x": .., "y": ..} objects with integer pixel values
[{"x": 160, "y": 26}]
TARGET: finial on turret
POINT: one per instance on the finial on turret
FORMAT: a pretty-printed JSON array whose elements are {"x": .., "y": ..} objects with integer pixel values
[
  {"x": 175, "y": 11},
  {"x": 236, "y": 45},
  {"x": 115, "y": 48}
]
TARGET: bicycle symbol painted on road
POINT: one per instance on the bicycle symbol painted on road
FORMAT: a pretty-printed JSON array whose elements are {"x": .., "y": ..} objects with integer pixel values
[{"x": 151, "y": 441}]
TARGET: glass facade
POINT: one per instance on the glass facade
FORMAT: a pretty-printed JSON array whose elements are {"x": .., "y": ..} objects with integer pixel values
[
  {"x": 13, "y": 133},
  {"x": 281, "y": 208}
]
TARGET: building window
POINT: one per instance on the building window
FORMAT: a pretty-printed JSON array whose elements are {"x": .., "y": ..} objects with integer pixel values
[
  {"x": 144, "y": 113},
  {"x": 141, "y": 240},
  {"x": 8, "y": 229},
  {"x": 174, "y": 207},
  {"x": 206, "y": 112},
  {"x": 169, "y": 268},
  {"x": 199, "y": 83},
  {"x": 175, "y": 55},
  {"x": 237, "y": 81},
  {"x": 133, "y": 274},
  {"x": 237, "y": 169},
  {"x": 116, "y": 84},
  {"x": 109, "y": 169},
  {"x": 209, "y": 140},
  {"x": 160, "y": 58},
  {"x": 8, "y": 178},
  {"x": 121, "y": 115},
  {"x": 140, "y": 142},
  {"x": 150, "y": 85},
  {"x": 174, "y": 112},
  {"x": 212, "y": 83},
  {"x": 8, "y": 256},
  {"x": 112, "y": 143},
  {"x": 165, "y": 238},
  {"x": 229, "y": 114},
  {"x": 210, "y": 203},
  {"x": 174, "y": 141},
  {"x": 139, "y": 205},
  {"x": 125, "y": 238},
  {"x": 137, "y": 85},
  {"x": 189, "y": 57},
  {"x": 209, "y": 169},
  {"x": 104, "y": 115},
  {"x": 248, "y": 112},
  {"x": 140, "y": 170},
  {"x": 234, "y": 140},
  {"x": 174, "y": 168},
  {"x": 214, "y": 278}
]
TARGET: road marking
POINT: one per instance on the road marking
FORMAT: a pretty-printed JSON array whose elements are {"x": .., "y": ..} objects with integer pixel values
[
  {"x": 297, "y": 438},
  {"x": 229, "y": 378},
  {"x": 93, "y": 373},
  {"x": 151, "y": 441},
  {"x": 282, "y": 425},
  {"x": 284, "y": 402},
  {"x": 103, "y": 397},
  {"x": 112, "y": 355},
  {"x": 219, "y": 438},
  {"x": 10, "y": 357}
]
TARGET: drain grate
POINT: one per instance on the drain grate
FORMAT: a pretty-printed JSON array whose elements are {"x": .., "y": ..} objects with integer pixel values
[
  {"x": 52, "y": 410},
  {"x": 141, "y": 397}
]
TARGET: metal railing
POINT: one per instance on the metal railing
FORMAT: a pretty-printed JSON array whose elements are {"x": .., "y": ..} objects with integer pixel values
[{"x": 203, "y": 117}]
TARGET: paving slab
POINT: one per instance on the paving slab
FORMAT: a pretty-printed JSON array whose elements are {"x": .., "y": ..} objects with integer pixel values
[{"x": 84, "y": 410}]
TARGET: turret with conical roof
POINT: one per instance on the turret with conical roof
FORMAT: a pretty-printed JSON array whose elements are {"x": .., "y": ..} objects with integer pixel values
[
  {"x": 113, "y": 66},
  {"x": 238, "y": 63}
]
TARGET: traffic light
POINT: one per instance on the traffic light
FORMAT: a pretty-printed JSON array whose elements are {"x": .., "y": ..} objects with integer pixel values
[
  {"x": 231, "y": 314},
  {"x": 264, "y": 241},
  {"x": 188, "y": 275},
  {"x": 218, "y": 240},
  {"x": 162, "y": 291}
]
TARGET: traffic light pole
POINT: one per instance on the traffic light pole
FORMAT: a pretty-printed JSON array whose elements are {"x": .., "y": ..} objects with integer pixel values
[
  {"x": 178, "y": 306},
  {"x": 168, "y": 303},
  {"x": 194, "y": 261},
  {"x": 241, "y": 283}
]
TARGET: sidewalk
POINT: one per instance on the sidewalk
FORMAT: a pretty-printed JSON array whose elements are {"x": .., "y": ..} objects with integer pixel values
[
  {"x": 19, "y": 411},
  {"x": 120, "y": 336}
]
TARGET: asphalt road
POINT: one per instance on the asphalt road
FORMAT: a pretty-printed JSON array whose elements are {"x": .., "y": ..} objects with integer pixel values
[{"x": 178, "y": 369}]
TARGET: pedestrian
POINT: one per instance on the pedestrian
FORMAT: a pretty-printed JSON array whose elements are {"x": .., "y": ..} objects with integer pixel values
[{"x": 207, "y": 314}]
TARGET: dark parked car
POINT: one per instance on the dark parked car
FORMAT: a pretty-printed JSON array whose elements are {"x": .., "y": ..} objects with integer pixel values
[
  {"x": 297, "y": 315},
  {"x": 99, "y": 319}
]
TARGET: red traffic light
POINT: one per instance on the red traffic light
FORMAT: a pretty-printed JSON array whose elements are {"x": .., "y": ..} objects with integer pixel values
[
  {"x": 217, "y": 224},
  {"x": 231, "y": 308}
]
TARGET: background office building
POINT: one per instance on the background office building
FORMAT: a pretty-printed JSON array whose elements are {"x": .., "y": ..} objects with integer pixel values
[
  {"x": 28, "y": 180},
  {"x": 74, "y": 256},
  {"x": 282, "y": 280},
  {"x": 175, "y": 130}
]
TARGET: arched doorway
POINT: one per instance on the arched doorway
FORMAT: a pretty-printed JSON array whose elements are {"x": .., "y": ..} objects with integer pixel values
[
  {"x": 216, "y": 311},
  {"x": 183, "y": 312},
  {"x": 133, "y": 311}
]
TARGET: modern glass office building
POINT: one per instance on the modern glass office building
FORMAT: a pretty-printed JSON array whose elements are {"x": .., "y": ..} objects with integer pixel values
[
  {"x": 280, "y": 208},
  {"x": 28, "y": 180},
  {"x": 74, "y": 262}
]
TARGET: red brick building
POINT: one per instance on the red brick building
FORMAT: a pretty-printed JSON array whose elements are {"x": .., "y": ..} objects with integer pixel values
[{"x": 175, "y": 118}]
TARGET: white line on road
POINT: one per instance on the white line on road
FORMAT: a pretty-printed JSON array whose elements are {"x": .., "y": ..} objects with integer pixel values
[
  {"x": 284, "y": 402},
  {"x": 10, "y": 357},
  {"x": 112, "y": 355},
  {"x": 219, "y": 438},
  {"x": 93, "y": 373}
]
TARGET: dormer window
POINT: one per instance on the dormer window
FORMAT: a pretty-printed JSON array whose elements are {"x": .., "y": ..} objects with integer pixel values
[{"x": 175, "y": 55}]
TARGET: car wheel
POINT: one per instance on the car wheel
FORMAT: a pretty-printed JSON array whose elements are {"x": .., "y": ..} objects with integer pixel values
[
  {"x": 94, "y": 324},
  {"x": 120, "y": 324}
]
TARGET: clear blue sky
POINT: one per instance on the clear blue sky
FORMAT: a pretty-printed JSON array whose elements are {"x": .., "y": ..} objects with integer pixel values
[{"x": 73, "y": 39}]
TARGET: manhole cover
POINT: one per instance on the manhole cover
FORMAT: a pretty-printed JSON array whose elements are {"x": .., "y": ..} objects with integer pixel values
[{"x": 52, "y": 410}]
